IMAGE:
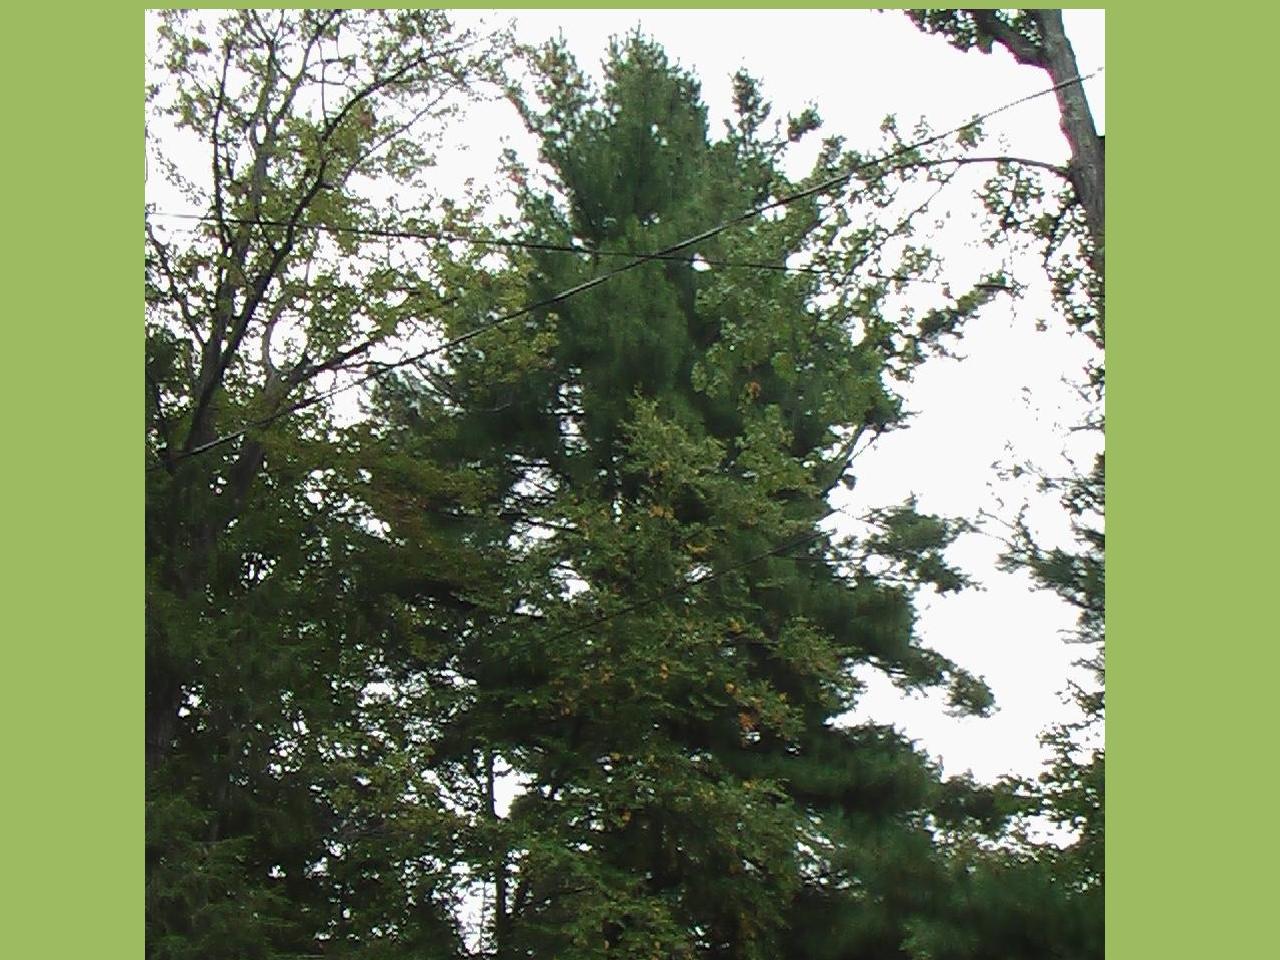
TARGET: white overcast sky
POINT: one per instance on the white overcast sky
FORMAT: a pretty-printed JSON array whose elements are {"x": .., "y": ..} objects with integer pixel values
[{"x": 857, "y": 66}]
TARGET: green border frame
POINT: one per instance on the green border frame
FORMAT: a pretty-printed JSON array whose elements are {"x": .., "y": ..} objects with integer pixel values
[
  {"x": 72, "y": 484},
  {"x": 1192, "y": 478},
  {"x": 1191, "y": 722}
]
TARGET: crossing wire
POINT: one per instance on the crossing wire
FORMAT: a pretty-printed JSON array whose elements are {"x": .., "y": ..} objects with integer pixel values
[
  {"x": 519, "y": 244},
  {"x": 823, "y": 186}
]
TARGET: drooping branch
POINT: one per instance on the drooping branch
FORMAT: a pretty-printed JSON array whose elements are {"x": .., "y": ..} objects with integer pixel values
[
  {"x": 1037, "y": 38},
  {"x": 1054, "y": 168}
]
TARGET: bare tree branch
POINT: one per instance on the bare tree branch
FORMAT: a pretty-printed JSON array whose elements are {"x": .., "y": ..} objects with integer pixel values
[{"x": 175, "y": 295}]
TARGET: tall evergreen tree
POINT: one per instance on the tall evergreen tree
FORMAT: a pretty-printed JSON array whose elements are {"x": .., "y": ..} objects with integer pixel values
[{"x": 678, "y": 632}]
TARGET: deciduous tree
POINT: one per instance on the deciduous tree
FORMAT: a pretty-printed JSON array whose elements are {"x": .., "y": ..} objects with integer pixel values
[{"x": 275, "y": 606}]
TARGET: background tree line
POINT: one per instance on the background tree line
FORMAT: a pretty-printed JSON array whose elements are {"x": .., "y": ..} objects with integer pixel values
[{"x": 579, "y": 543}]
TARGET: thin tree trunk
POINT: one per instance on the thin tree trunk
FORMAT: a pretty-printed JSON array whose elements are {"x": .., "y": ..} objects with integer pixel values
[
  {"x": 499, "y": 858},
  {"x": 1087, "y": 167}
]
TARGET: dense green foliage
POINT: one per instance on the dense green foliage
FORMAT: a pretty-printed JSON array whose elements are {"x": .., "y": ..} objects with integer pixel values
[
  {"x": 547, "y": 652},
  {"x": 277, "y": 772},
  {"x": 668, "y": 694}
]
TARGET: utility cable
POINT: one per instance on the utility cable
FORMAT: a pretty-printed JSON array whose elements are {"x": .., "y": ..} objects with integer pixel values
[
  {"x": 823, "y": 186},
  {"x": 518, "y": 244},
  {"x": 481, "y": 241}
]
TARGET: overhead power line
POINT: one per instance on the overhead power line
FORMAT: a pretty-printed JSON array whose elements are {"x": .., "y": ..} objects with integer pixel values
[
  {"x": 482, "y": 241},
  {"x": 519, "y": 244},
  {"x": 823, "y": 186}
]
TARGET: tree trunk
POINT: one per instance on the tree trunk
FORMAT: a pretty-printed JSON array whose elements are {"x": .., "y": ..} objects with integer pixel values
[
  {"x": 1087, "y": 160},
  {"x": 499, "y": 859}
]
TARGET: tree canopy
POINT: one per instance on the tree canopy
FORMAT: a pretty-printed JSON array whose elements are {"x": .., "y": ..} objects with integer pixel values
[{"x": 548, "y": 650}]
